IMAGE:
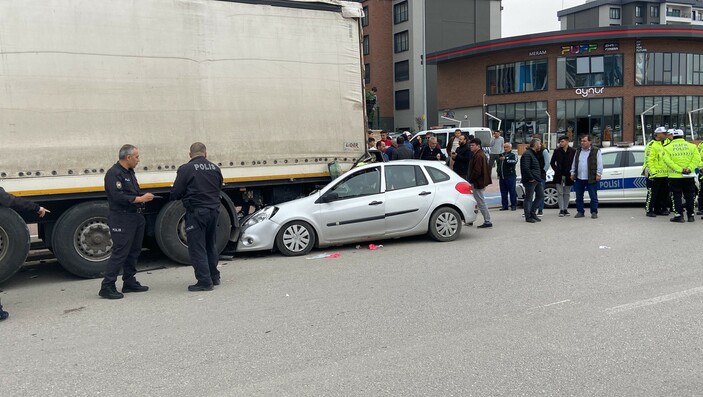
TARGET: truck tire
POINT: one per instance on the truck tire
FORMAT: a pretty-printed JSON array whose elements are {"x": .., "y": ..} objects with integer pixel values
[
  {"x": 14, "y": 243},
  {"x": 81, "y": 239},
  {"x": 171, "y": 235}
]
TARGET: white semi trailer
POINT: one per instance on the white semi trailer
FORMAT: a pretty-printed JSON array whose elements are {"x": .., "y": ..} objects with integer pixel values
[{"x": 273, "y": 88}]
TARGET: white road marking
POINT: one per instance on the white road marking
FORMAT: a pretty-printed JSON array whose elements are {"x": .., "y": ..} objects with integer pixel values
[
  {"x": 549, "y": 304},
  {"x": 654, "y": 301},
  {"x": 557, "y": 303}
]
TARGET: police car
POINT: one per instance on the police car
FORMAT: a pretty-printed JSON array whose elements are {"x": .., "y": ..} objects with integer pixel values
[{"x": 622, "y": 180}]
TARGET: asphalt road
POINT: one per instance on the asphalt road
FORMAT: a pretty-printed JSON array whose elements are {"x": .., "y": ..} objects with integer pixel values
[{"x": 606, "y": 307}]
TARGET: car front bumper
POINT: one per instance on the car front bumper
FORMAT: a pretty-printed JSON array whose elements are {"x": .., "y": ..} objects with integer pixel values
[{"x": 258, "y": 237}]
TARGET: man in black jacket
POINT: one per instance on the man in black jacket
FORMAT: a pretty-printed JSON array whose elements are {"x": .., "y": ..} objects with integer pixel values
[
  {"x": 462, "y": 158},
  {"x": 431, "y": 151},
  {"x": 532, "y": 181},
  {"x": 198, "y": 184},
  {"x": 561, "y": 164}
]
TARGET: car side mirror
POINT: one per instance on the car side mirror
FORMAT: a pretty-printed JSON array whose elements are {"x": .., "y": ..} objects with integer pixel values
[{"x": 329, "y": 197}]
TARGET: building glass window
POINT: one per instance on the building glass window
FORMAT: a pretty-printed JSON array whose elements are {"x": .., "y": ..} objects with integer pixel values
[
  {"x": 525, "y": 76},
  {"x": 520, "y": 121},
  {"x": 365, "y": 18},
  {"x": 367, "y": 73},
  {"x": 638, "y": 11},
  {"x": 579, "y": 117},
  {"x": 614, "y": 13},
  {"x": 401, "y": 42},
  {"x": 595, "y": 71},
  {"x": 400, "y": 12},
  {"x": 654, "y": 11},
  {"x": 669, "y": 112},
  {"x": 365, "y": 45},
  {"x": 663, "y": 68},
  {"x": 402, "y": 100},
  {"x": 402, "y": 71}
]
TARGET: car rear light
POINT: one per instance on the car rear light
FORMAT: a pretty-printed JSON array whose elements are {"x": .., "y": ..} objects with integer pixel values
[{"x": 463, "y": 188}]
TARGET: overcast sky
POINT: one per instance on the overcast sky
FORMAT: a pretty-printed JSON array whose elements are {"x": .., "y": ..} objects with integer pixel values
[{"x": 533, "y": 16}]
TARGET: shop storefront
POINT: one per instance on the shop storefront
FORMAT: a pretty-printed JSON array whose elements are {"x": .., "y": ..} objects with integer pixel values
[{"x": 600, "y": 82}]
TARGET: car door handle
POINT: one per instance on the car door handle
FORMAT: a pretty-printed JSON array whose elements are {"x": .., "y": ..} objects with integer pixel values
[
  {"x": 424, "y": 193},
  {"x": 376, "y": 203},
  {"x": 616, "y": 173}
]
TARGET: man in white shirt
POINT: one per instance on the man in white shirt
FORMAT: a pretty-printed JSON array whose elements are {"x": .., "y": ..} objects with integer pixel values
[{"x": 586, "y": 171}]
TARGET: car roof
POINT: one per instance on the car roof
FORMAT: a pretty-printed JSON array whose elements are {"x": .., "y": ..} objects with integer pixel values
[{"x": 622, "y": 148}]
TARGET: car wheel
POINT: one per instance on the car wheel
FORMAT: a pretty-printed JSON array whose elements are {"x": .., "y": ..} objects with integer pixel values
[
  {"x": 14, "y": 243},
  {"x": 445, "y": 224},
  {"x": 81, "y": 239},
  {"x": 550, "y": 196},
  {"x": 295, "y": 238}
]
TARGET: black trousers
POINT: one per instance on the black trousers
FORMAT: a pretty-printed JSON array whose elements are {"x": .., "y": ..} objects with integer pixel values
[
  {"x": 657, "y": 195},
  {"x": 127, "y": 233},
  {"x": 660, "y": 194},
  {"x": 201, "y": 231},
  {"x": 534, "y": 193},
  {"x": 685, "y": 187},
  {"x": 700, "y": 192}
]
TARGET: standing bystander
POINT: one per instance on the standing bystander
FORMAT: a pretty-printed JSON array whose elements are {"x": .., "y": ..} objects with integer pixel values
[
  {"x": 401, "y": 152},
  {"x": 562, "y": 158},
  {"x": 507, "y": 177},
  {"x": 586, "y": 171},
  {"x": 452, "y": 145},
  {"x": 462, "y": 158},
  {"x": 531, "y": 180},
  {"x": 480, "y": 178},
  {"x": 496, "y": 145}
]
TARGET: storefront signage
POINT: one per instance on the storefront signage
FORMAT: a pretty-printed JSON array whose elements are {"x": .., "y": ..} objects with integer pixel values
[
  {"x": 586, "y": 92},
  {"x": 537, "y": 53},
  {"x": 611, "y": 47},
  {"x": 638, "y": 47},
  {"x": 579, "y": 49}
]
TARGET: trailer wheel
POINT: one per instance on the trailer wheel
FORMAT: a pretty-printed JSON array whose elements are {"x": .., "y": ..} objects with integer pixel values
[
  {"x": 81, "y": 239},
  {"x": 170, "y": 231},
  {"x": 14, "y": 243}
]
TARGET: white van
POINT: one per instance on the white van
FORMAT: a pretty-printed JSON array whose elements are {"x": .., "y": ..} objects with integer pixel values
[{"x": 443, "y": 134}]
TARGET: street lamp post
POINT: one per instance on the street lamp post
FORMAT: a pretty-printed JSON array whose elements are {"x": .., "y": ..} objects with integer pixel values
[
  {"x": 644, "y": 136},
  {"x": 690, "y": 120}
]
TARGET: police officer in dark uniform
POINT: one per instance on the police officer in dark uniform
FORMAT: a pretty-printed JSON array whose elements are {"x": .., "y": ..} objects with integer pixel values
[
  {"x": 126, "y": 224},
  {"x": 19, "y": 204},
  {"x": 198, "y": 184}
]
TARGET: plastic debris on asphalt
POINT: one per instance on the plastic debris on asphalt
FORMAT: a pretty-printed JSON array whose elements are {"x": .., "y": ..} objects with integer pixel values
[
  {"x": 374, "y": 247},
  {"x": 318, "y": 256},
  {"x": 325, "y": 255},
  {"x": 604, "y": 247}
]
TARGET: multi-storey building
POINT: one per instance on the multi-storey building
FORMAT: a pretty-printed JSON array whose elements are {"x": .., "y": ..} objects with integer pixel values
[
  {"x": 602, "y": 13},
  {"x": 396, "y": 35}
]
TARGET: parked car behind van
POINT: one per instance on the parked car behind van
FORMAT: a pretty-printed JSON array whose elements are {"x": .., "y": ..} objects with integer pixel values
[{"x": 443, "y": 134}]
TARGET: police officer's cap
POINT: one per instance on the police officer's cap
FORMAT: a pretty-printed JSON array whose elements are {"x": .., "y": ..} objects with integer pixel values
[{"x": 660, "y": 130}]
